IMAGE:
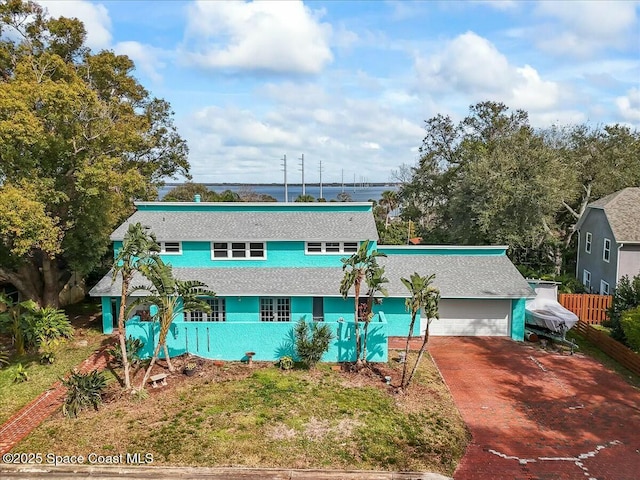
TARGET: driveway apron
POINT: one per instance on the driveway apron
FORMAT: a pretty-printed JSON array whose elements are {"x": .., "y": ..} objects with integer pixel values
[{"x": 538, "y": 415}]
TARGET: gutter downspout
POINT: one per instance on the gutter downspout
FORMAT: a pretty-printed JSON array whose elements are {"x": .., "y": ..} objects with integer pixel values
[
  {"x": 620, "y": 245},
  {"x": 578, "y": 258}
]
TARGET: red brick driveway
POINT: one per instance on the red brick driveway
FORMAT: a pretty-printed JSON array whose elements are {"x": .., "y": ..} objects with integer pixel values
[{"x": 537, "y": 415}]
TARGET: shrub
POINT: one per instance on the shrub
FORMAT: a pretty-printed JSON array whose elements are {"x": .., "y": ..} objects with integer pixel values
[
  {"x": 630, "y": 323},
  {"x": 285, "y": 363},
  {"x": 83, "y": 390},
  {"x": 625, "y": 297},
  {"x": 20, "y": 375},
  {"x": 311, "y": 343},
  {"x": 46, "y": 327},
  {"x": 133, "y": 345}
]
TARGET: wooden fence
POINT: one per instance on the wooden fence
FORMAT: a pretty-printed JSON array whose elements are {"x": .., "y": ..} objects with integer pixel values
[
  {"x": 624, "y": 356},
  {"x": 591, "y": 309}
]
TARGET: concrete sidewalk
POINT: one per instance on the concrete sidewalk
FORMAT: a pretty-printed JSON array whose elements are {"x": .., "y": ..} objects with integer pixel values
[{"x": 103, "y": 472}]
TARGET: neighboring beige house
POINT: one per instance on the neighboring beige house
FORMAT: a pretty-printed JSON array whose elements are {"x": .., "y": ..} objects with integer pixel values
[{"x": 609, "y": 241}]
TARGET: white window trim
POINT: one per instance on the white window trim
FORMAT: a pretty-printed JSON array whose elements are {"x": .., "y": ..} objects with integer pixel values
[
  {"x": 604, "y": 286},
  {"x": 247, "y": 249},
  {"x": 586, "y": 278},
  {"x": 274, "y": 307},
  {"x": 163, "y": 249},
  {"x": 323, "y": 248},
  {"x": 222, "y": 307},
  {"x": 606, "y": 250},
  {"x": 587, "y": 242}
]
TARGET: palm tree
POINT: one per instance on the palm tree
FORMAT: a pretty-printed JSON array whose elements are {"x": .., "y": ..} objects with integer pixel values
[
  {"x": 165, "y": 292},
  {"x": 423, "y": 296},
  {"x": 374, "y": 278},
  {"x": 390, "y": 201},
  {"x": 138, "y": 246},
  {"x": 360, "y": 266}
]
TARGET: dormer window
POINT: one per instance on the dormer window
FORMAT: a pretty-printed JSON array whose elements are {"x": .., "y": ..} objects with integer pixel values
[
  {"x": 331, "y": 247},
  {"x": 171, "y": 248},
  {"x": 237, "y": 251}
]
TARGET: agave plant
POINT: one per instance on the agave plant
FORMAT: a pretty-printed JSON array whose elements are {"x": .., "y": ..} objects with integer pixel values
[{"x": 84, "y": 390}]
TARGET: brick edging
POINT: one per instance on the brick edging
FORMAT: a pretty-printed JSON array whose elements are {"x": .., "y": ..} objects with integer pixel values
[{"x": 25, "y": 420}]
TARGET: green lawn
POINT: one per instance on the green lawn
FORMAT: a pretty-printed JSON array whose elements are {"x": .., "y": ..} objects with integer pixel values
[
  {"x": 269, "y": 418},
  {"x": 13, "y": 396}
]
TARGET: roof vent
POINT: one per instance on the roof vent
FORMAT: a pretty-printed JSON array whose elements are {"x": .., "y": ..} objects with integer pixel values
[{"x": 196, "y": 198}]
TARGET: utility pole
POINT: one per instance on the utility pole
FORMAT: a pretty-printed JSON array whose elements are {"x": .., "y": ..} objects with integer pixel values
[
  {"x": 302, "y": 166},
  {"x": 321, "y": 196},
  {"x": 286, "y": 187}
]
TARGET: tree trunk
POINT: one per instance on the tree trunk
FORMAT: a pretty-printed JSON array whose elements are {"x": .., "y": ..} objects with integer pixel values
[
  {"x": 27, "y": 281},
  {"x": 168, "y": 358},
  {"x": 147, "y": 374},
  {"x": 122, "y": 335},
  {"x": 51, "y": 287},
  {"x": 355, "y": 321},
  {"x": 420, "y": 354},
  {"x": 406, "y": 348}
]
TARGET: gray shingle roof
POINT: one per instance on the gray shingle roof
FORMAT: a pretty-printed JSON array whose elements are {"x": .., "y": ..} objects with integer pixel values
[
  {"x": 247, "y": 225},
  {"x": 622, "y": 209},
  {"x": 456, "y": 277}
]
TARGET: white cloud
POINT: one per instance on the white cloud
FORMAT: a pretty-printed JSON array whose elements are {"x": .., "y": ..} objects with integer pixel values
[
  {"x": 94, "y": 16},
  {"x": 257, "y": 36},
  {"x": 473, "y": 66},
  {"x": 356, "y": 135},
  {"x": 629, "y": 106},
  {"x": 587, "y": 26},
  {"x": 145, "y": 57}
]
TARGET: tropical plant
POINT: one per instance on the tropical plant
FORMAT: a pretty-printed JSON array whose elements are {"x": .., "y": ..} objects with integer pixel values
[
  {"x": 47, "y": 327},
  {"x": 14, "y": 320},
  {"x": 133, "y": 347},
  {"x": 311, "y": 343},
  {"x": 424, "y": 296},
  {"x": 359, "y": 267},
  {"x": 138, "y": 245},
  {"x": 165, "y": 293},
  {"x": 83, "y": 390},
  {"x": 389, "y": 201},
  {"x": 20, "y": 374}
]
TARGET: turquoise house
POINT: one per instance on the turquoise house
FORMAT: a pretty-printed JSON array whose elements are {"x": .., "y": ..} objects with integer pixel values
[{"x": 271, "y": 264}]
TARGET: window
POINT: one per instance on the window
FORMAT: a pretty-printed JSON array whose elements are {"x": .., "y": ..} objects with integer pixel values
[
  {"x": 275, "y": 310},
  {"x": 606, "y": 251},
  {"x": 237, "y": 250},
  {"x": 586, "y": 279},
  {"x": 217, "y": 313},
  {"x": 587, "y": 242},
  {"x": 171, "y": 248},
  {"x": 331, "y": 247},
  {"x": 318, "y": 309},
  {"x": 604, "y": 288}
]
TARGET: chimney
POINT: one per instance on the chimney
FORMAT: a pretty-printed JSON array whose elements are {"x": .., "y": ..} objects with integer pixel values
[{"x": 196, "y": 198}]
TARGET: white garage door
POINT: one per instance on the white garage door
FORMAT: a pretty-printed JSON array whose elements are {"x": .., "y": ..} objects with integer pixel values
[{"x": 471, "y": 318}]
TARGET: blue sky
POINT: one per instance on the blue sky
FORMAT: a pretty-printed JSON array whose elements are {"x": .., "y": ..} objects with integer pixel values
[{"x": 351, "y": 83}]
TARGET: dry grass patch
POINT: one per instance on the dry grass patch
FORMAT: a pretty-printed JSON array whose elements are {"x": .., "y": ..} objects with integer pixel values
[{"x": 237, "y": 416}]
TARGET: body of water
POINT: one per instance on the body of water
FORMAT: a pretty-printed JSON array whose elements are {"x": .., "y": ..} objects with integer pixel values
[{"x": 329, "y": 192}]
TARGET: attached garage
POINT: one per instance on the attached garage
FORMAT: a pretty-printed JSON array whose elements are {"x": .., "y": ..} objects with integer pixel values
[
  {"x": 470, "y": 317},
  {"x": 481, "y": 291}
]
